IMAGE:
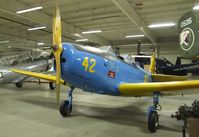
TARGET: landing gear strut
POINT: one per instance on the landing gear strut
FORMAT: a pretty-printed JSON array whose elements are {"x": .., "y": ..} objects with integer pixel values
[
  {"x": 153, "y": 117},
  {"x": 66, "y": 106}
]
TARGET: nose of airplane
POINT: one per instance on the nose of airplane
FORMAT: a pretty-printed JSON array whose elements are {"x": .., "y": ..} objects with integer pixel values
[
  {"x": 62, "y": 61},
  {"x": 66, "y": 59}
]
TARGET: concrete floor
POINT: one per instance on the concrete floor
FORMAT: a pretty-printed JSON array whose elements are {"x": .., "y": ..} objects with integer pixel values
[{"x": 32, "y": 112}]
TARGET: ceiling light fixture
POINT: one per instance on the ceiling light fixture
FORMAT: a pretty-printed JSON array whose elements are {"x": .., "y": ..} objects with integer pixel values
[
  {"x": 161, "y": 25},
  {"x": 78, "y": 40},
  {"x": 40, "y": 43},
  {"x": 5, "y": 41},
  {"x": 196, "y": 7},
  {"x": 36, "y": 28},
  {"x": 77, "y": 35},
  {"x": 29, "y": 10},
  {"x": 46, "y": 47},
  {"x": 91, "y": 31},
  {"x": 134, "y": 36},
  {"x": 140, "y": 56}
]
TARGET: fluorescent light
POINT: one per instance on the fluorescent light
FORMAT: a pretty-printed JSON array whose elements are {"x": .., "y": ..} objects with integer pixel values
[
  {"x": 40, "y": 43},
  {"x": 37, "y": 28},
  {"x": 46, "y": 47},
  {"x": 140, "y": 56},
  {"x": 29, "y": 10},
  {"x": 78, "y": 40},
  {"x": 196, "y": 7},
  {"x": 134, "y": 36},
  {"x": 91, "y": 31},
  {"x": 5, "y": 41},
  {"x": 77, "y": 35},
  {"x": 161, "y": 25}
]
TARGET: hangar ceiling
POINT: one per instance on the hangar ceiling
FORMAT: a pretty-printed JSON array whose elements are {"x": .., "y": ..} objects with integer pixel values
[{"x": 115, "y": 18}]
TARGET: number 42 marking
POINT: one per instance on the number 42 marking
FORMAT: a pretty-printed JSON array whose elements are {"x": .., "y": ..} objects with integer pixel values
[{"x": 89, "y": 66}]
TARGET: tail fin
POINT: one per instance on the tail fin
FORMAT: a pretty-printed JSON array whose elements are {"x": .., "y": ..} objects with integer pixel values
[
  {"x": 152, "y": 65},
  {"x": 188, "y": 35}
]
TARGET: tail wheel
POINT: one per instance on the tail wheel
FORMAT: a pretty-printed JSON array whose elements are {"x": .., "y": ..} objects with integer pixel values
[
  {"x": 65, "y": 109},
  {"x": 52, "y": 85},
  {"x": 19, "y": 84},
  {"x": 153, "y": 121}
]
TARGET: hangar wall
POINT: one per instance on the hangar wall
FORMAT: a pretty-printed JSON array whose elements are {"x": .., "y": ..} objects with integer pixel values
[{"x": 170, "y": 52}]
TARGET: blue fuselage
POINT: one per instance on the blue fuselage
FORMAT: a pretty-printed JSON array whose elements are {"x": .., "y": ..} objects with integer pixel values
[{"x": 94, "y": 73}]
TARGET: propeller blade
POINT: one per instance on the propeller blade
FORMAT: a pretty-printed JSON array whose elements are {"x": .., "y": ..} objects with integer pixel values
[{"x": 57, "y": 49}]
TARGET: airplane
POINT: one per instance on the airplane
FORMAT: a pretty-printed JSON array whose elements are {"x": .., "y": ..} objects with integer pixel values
[
  {"x": 164, "y": 66},
  {"x": 188, "y": 41},
  {"x": 188, "y": 35},
  {"x": 97, "y": 71},
  {"x": 7, "y": 77}
]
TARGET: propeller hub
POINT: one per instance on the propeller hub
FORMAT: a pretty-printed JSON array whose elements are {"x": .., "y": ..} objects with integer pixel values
[{"x": 55, "y": 47}]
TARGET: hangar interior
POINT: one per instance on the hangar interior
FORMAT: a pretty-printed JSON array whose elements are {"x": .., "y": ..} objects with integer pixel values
[
  {"x": 33, "y": 112},
  {"x": 116, "y": 20}
]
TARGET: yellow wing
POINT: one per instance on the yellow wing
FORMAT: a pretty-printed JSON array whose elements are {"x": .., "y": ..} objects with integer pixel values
[
  {"x": 38, "y": 75},
  {"x": 144, "y": 89}
]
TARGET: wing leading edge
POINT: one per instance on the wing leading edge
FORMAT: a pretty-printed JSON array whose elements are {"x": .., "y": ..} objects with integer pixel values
[
  {"x": 38, "y": 75},
  {"x": 144, "y": 89}
]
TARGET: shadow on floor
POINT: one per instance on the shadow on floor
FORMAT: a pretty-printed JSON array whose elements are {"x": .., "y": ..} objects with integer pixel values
[{"x": 130, "y": 115}]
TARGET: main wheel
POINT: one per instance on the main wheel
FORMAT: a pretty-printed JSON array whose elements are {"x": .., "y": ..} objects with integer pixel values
[
  {"x": 65, "y": 109},
  {"x": 52, "y": 85},
  {"x": 19, "y": 84},
  {"x": 153, "y": 121}
]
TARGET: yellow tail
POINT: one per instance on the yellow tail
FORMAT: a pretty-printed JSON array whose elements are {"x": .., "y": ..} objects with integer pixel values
[{"x": 152, "y": 65}]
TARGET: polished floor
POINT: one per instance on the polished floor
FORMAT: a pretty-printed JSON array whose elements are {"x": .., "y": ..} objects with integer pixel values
[{"x": 33, "y": 112}]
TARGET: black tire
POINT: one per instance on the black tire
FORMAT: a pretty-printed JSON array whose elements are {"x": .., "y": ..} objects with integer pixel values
[
  {"x": 52, "y": 85},
  {"x": 19, "y": 84},
  {"x": 153, "y": 121},
  {"x": 64, "y": 109}
]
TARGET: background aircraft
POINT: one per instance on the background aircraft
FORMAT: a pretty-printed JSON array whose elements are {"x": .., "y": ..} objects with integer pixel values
[
  {"x": 7, "y": 76},
  {"x": 102, "y": 72},
  {"x": 188, "y": 35},
  {"x": 164, "y": 66},
  {"x": 188, "y": 41}
]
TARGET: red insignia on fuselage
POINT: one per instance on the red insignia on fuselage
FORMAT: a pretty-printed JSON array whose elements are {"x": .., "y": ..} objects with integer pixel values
[{"x": 111, "y": 74}]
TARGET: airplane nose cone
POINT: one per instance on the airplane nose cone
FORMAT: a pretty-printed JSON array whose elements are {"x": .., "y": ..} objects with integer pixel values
[{"x": 67, "y": 58}]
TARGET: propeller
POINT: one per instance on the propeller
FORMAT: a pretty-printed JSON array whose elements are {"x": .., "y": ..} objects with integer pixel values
[{"x": 57, "y": 49}]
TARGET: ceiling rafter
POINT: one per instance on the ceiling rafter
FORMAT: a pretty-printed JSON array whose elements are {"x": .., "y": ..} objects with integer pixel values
[
  {"x": 128, "y": 10},
  {"x": 38, "y": 17}
]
